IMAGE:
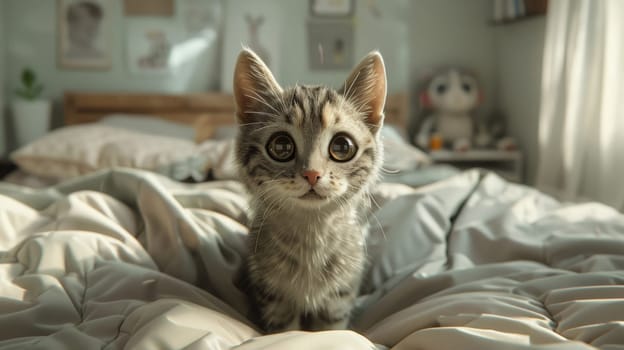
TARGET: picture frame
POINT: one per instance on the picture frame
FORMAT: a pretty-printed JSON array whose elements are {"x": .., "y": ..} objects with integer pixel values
[
  {"x": 330, "y": 44},
  {"x": 150, "y": 45},
  {"x": 252, "y": 24},
  {"x": 331, "y": 8},
  {"x": 85, "y": 34},
  {"x": 162, "y": 8}
]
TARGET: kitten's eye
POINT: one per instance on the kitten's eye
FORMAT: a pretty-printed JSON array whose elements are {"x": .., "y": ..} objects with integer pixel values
[
  {"x": 281, "y": 147},
  {"x": 342, "y": 148},
  {"x": 440, "y": 89},
  {"x": 467, "y": 87}
]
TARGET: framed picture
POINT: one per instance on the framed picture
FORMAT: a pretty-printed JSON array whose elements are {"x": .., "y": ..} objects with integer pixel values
[
  {"x": 253, "y": 24},
  {"x": 331, "y": 8},
  {"x": 149, "y": 8},
  {"x": 150, "y": 46},
  {"x": 330, "y": 44},
  {"x": 85, "y": 33}
]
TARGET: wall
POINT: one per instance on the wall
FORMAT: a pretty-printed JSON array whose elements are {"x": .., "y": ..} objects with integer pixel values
[
  {"x": 31, "y": 38},
  {"x": 32, "y": 41},
  {"x": 451, "y": 32},
  {"x": 284, "y": 32},
  {"x": 519, "y": 49}
]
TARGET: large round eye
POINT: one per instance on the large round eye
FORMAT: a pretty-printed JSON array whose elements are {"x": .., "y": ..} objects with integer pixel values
[
  {"x": 342, "y": 148},
  {"x": 466, "y": 87},
  {"x": 281, "y": 147}
]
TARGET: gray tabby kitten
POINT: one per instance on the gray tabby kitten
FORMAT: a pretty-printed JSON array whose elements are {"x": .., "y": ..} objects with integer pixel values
[{"x": 308, "y": 155}]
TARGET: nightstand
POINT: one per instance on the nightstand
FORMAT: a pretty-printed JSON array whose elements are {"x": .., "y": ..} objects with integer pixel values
[{"x": 507, "y": 164}]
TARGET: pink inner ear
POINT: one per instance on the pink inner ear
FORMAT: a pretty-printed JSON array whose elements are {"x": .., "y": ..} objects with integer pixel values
[
  {"x": 251, "y": 77},
  {"x": 378, "y": 93}
]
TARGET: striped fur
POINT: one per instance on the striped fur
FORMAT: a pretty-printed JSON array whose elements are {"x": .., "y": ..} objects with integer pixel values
[{"x": 306, "y": 255}]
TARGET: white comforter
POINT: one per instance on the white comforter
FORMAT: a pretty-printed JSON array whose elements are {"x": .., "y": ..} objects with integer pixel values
[{"x": 128, "y": 259}]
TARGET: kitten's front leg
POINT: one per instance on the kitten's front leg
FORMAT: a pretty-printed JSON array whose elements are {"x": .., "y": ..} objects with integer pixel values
[
  {"x": 335, "y": 314},
  {"x": 278, "y": 316}
]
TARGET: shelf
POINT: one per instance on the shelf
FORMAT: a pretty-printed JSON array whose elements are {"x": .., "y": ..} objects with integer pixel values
[
  {"x": 474, "y": 155},
  {"x": 507, "y": 164},
  {"x": 509, "y": 21}
]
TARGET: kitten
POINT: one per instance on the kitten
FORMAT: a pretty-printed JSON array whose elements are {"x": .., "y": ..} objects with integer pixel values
[{"x": 308, "y": 155}]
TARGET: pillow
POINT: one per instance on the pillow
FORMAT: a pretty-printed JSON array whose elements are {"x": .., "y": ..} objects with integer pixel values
[
  {"x": 75, "y": 150},
  {"x": 399, "y": 155},
  {"x": 149, "y": 125},
  {"x": 225, "y": 132}
]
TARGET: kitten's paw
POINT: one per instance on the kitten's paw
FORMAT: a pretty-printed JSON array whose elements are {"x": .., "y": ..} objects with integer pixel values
[
  {"x": 273, "y": 324},
  {"x": 325, "y": 324}
]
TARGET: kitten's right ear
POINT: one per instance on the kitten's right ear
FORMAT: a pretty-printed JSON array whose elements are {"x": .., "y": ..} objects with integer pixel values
[
  {"x": 366, "y": 88},
  {"x": 253, "y": 85}
]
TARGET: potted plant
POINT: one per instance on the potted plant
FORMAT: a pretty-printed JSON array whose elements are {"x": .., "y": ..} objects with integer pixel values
[{"x": 31, "y": 114}]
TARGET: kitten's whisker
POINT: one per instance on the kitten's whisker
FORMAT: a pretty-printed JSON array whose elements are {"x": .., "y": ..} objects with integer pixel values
[
  {"x": 262, "y": 113},
  {"x": 262, "y": 128},
  {"x": 373, "y": 201},
  {"x": 389, "y": 171},
  {"x": 383, "y": 232},
  {"x": 253, "y": 123}
]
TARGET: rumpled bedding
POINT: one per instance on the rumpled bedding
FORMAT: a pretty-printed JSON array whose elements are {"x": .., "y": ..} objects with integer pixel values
[{"x": 127, "y": 259}]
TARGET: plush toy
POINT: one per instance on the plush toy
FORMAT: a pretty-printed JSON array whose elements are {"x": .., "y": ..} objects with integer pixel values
[{"x": 448, "y": 100}]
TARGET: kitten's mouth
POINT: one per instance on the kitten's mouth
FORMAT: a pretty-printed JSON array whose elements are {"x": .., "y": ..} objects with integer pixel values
[{"x": 312, "y": 195}]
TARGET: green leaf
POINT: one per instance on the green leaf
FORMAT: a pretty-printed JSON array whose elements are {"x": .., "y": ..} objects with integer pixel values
[
  {"x": 30, "y": 89},
  {"x": 28, "y": 77}
]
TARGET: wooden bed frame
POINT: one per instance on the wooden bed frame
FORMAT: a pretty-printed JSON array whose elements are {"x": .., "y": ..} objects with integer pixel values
[{"x": 204, "y": 111}]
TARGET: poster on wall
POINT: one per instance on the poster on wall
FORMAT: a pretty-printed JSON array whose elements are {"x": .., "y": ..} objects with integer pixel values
[
  {"x": 84, "y": 40},
  {"x": 330, "y": 44},
  {"x": 252, "y": 24},
  {"x": 150, "y": 47}
]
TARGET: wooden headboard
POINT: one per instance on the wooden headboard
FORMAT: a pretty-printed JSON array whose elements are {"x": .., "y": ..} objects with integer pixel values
[{"x": 204, "y": 111}]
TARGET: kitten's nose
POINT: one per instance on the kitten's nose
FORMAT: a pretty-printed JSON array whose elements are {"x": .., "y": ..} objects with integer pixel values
[{"x": 312, "y": 176}]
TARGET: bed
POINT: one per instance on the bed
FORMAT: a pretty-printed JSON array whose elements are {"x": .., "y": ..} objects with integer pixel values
[{"x": 132, "y": 258}]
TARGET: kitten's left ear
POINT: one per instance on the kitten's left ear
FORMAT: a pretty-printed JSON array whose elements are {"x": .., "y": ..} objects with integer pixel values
[
  {"x": 253, "y": 84},
  {"x": 366, "y": 88}
]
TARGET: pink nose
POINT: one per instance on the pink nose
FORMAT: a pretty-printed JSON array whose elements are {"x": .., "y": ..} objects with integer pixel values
[{"x": 312, "y": 176}]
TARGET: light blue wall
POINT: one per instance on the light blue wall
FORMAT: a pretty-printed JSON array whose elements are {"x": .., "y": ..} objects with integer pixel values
[
  {"x": 520, "y": 49},
  {"x": 412, "y": 35},
  {"x": 451, "y": 32},
  {"x": 31, "y": 38},
  {"x": 285, "y": 31}
]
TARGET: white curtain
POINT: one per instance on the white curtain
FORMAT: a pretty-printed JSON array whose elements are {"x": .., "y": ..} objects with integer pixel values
[{"x": 581, "y": 130}]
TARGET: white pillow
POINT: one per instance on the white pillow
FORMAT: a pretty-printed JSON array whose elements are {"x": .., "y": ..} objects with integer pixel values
[
  {"x": 149, "y": 125},
  {"x": 76, "y": 150},
  {"x": 399, "y": 155}
]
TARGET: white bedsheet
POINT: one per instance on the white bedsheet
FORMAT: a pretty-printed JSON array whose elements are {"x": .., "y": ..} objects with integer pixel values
[{"x": 128, "y": 259}]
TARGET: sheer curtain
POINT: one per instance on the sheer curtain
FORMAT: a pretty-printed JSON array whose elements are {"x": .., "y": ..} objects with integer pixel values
[{"x": 581, "y": 130}]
